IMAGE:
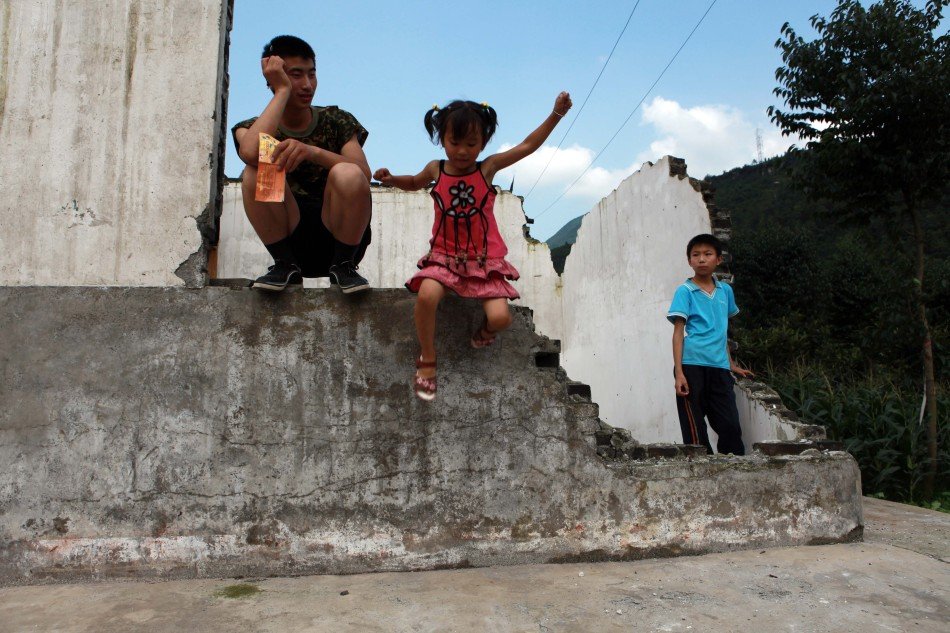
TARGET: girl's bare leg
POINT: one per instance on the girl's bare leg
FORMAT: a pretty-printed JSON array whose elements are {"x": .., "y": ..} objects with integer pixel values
[
  {"x": 497, "y": 316},
  {"x": 427, "y": 301}
]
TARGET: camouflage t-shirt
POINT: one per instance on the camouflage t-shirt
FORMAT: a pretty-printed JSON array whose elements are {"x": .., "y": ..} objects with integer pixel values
[{"x": 330, "y": 129}]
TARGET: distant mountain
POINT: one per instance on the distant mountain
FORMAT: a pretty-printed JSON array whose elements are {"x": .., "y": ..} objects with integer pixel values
[
  {"x": 762, "y": 196},
  {"x": 567, "y": 234},
  {"x": 560, "y": 243}
]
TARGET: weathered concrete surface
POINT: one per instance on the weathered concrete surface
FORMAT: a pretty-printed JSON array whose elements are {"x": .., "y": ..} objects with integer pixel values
[
  {"x": 852, "y": 588},
  {"x": 112, "y": 112},
  {"x": 173, "y": 432},
  {"x": 764, "y": 417},
  {"x": 609, "y": 308},
  {"x": 919, "y": 530}
]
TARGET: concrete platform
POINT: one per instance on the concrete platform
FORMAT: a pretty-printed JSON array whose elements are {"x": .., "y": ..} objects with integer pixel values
[
  {"x": 172, "y": 433},
  {"x": 892, "y": 582}
]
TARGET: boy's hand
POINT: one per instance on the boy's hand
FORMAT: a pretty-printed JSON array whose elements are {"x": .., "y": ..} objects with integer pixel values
[
  {"x": 291, "y": 152},
  {"x": 682, "y": 387},
  {"x": 273, "y": 69},
  {"x": 740, "y": 371},
  {"x": 383, "y": 176},
  {"x": 562, "y": 103}
]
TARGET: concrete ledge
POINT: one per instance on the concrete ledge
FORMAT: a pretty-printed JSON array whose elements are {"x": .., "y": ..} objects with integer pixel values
[
  {"x": 220, "y": 432},
  {"x": 764, "y": 417},
  {"x": 780, "y": 447}
]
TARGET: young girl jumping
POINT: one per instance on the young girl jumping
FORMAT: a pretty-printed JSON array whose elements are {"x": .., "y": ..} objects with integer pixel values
[{"x": 466, "y": 253}]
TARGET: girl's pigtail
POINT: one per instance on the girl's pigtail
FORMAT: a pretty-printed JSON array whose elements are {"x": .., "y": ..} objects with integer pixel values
[
  {"x": 431, "y": 122},
  {"x": 490, "y": 120}
]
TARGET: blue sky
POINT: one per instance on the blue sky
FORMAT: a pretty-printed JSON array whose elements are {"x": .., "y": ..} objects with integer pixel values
[{"x": 388, "y": 62}]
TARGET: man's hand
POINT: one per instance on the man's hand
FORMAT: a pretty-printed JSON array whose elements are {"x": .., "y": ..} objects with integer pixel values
[
  {"x": 383, "y": 176},
  {"x": 740, "y": 371},
  {"x": 273, "y": 69},
  {"x": 291, "y": 152},
  {"x": 682, "y": 387}
]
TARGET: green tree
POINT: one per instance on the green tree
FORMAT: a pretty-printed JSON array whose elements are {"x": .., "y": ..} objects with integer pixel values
[{"x": 870, "y": 96}]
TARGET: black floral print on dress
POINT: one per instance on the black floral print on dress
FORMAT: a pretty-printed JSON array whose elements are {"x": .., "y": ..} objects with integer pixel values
[{"x": 462, "y": 195}]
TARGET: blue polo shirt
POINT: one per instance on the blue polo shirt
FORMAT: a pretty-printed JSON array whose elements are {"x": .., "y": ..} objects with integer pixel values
[{"x": 707, "y": 320}]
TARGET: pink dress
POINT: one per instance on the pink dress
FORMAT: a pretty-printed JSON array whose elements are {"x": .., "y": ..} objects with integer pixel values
[{"x": 466, "y": 252}]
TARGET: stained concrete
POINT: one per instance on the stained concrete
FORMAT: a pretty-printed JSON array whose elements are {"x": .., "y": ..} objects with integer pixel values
[
  {"x": 859, "y": 588},
  {"x": 909, "y": 527},
  {"x": 161, "y": 432},
  {"x": 608, "y": 308},
  {"x": 122, "y": 104}
]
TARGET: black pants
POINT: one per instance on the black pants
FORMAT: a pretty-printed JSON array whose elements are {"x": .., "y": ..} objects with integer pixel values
[
  {"x": 710, "y": 397},
  {"x": 313, "y": 243}
]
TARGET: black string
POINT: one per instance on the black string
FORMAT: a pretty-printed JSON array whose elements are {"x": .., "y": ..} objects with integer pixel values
[
  {"x": 627, "y": 120},
  {"x": 589, "y": 93}
]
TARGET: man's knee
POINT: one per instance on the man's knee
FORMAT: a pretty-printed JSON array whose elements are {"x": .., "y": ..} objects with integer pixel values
[
  {"x": 249, "y": 178},
  {"x": 347, "y": 177}
]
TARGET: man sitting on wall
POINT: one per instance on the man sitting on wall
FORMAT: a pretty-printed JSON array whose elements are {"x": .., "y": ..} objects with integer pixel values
[{"x": 322, "y": 227}]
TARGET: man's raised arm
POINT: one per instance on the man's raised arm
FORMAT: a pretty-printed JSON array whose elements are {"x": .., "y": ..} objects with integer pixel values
[{"x": 273, "y": 69}]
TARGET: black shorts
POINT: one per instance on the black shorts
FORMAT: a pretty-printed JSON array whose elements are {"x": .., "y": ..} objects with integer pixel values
[{"x": 313, "y": 243}]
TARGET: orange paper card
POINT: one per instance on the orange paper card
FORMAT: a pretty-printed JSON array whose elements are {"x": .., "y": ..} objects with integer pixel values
[{"x": 270, "y": 179}]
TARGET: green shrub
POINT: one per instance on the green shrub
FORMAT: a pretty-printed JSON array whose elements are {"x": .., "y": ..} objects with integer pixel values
[{"x": 879, "y": 423}]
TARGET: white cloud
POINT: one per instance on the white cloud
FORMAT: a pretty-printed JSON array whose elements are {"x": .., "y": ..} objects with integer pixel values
[
  {"x": 565, "y": 166},
  {"x": 712, "y": 138}
]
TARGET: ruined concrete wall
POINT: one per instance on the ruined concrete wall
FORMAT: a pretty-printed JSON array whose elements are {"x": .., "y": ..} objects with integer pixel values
[
  {"x": 240, "y": 252},
  {"x": 609, "y": 307},
  {"x": 617, "y": 285},
  {"x": 402, "y": 225},
  {"x": 111, "y": 112},
  {"x": 174, "y": 432},
  {"x": 764, "y": 417}
]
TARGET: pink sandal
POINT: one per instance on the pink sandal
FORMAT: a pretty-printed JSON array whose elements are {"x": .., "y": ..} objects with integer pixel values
[
  {"x": 424, "y": 387},
  {"x": 483, "y": 337}
]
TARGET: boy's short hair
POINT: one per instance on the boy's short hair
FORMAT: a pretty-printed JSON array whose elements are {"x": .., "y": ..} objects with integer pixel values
[
  {"x": 707, "y": 240},
  {"x": 288, "y": 46}
]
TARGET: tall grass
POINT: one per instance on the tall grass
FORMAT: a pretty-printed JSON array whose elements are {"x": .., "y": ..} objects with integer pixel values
[{"x": 879, "y": 423}]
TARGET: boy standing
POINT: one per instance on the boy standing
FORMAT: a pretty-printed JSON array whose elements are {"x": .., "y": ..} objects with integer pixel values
[
  {"x": 700, "y": 315},
  {"x": 322, "y": 227}
]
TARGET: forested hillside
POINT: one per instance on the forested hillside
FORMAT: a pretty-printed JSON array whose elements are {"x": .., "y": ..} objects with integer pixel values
[{"x": 827, "y": 318}]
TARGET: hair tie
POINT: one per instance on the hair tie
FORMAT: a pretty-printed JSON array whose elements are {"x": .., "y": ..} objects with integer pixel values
[
  {"x": 485, "y": 104},
  {"x": 435, "y": 107}
]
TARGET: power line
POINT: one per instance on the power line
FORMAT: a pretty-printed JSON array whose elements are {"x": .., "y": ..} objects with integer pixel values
[
  {"x": 577, "y": 116},
  {"x": 630, "y": 116}
]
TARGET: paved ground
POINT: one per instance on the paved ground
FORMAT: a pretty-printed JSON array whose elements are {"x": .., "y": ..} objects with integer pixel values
[{"x": 897, "y": 580}]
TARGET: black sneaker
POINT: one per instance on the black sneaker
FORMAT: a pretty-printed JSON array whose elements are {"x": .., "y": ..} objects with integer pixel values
[
  {"x": 278, "y": 276},
  {"x": 345, "y": 276}
]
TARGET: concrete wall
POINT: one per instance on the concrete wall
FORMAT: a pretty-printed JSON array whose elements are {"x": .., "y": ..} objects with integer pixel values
[
  {"x": 110, "y": 119},
  {"x": 213, "y": 432},
  {"x": 402, "y": 225},
  {"x": 617, "y": 285},
  {"x": 764, "y": 418},
  {"x": 609, "y": 307}
]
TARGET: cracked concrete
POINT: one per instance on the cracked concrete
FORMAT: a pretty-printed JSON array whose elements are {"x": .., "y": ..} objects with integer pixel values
[
  {"x": 892, "y": 582},
  {"x": 182, "y": 433}
]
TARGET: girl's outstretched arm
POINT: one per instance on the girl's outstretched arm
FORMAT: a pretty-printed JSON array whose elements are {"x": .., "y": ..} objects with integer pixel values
[
  {"x": 496, "y": 162},
  {"x": 409, "y": 183}
]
